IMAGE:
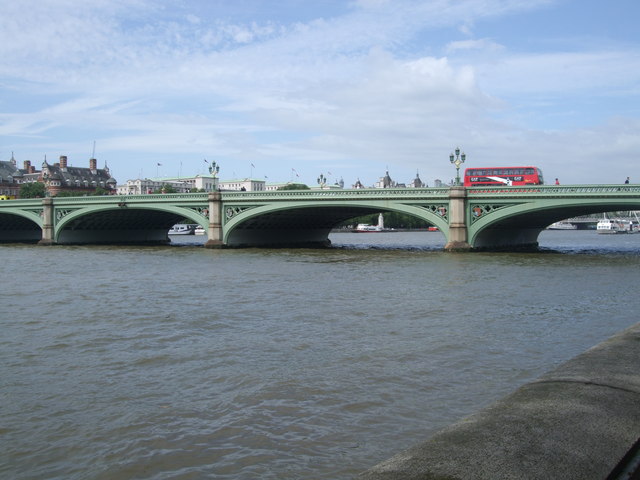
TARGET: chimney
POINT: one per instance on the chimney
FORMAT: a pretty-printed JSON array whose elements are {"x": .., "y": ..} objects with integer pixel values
[
  {"x": 32, "y": 169},
  {"x": 63, "y": 163},
  {"x": 27, "y": 165},
  {"x": 93, "y": 165}
]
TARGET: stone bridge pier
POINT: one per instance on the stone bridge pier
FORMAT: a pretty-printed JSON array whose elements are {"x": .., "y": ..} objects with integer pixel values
[
  {"x": 47, "y": 222},
  {"x": 458, "y": 234},
  {"x": 215, "y": 221}
]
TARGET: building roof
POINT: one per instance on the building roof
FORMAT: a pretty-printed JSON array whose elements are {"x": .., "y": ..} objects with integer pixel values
[
  {"x": 77, "y": 176},
  {"x": 7, "y": 169}
]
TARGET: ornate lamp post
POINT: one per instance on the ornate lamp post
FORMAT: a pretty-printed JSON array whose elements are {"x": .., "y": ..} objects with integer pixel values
[
  {"x": 322, "y": 181},
  {"x": 214, "y": 168},
  {"x": 457, "y": 161}
]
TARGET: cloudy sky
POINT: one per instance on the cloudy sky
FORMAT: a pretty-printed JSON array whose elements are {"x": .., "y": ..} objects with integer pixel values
[{"x": 291, "y": 89}]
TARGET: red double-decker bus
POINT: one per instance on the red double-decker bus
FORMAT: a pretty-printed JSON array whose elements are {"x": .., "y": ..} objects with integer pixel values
[{"x": 501, "y": 176}]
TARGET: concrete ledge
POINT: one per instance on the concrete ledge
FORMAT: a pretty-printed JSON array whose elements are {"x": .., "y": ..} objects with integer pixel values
[{"x": 573, "y": 423}]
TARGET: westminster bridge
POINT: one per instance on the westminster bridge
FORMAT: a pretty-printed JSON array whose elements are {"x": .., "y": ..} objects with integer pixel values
[{"x": 474, "y": 218}]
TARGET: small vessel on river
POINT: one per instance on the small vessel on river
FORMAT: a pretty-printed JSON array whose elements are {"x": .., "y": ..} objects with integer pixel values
[
  {"x": 562, "y": 225},
  {"x": 615, "y": 225},
  {"x": 366, "y": 228},
  {"x": 182, "y": 229}
]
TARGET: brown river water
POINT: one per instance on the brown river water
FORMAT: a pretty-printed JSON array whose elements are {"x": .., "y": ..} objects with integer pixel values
[{"x": 181, "y": 362}]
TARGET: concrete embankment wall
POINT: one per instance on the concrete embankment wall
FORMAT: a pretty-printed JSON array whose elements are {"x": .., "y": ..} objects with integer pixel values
[{"x": 574, "y": 423}]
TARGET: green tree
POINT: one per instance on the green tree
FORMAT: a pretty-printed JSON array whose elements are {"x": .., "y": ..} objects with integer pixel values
[
  {"x": 69, "y": 193},
  {"x": 294, "y": 186},
  {"x": 99, "y": 191},
  {"x": 32, "y": 190},
  {"x": 165, "y": 189}
]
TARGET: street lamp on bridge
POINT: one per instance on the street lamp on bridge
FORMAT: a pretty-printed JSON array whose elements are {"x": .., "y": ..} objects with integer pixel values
[
  {"x": 322, "y": 181},
  {"x": 457, "y": 160},
  {"x": 214, "y": 168}
]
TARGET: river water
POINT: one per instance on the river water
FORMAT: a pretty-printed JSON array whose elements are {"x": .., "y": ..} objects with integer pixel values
[{"x": 181, "y": 362}]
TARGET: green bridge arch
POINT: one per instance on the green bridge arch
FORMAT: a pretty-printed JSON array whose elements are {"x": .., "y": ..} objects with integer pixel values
[
  {"x": 309, "y": 221},
  {"x": 513, "y": 218},
  {"x": 20, "y": 220},
  {"x": 129, "y": 223}
]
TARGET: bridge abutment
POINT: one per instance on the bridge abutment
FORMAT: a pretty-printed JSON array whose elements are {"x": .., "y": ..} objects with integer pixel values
[
  {"x": 458, "y": 234},
  {"x": 215, "y": 221}
]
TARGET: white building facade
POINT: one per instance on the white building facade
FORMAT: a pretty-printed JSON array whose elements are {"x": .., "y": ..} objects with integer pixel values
[
  {"x": 207, "y": 183},
  {"x": 245, "y": 185}
]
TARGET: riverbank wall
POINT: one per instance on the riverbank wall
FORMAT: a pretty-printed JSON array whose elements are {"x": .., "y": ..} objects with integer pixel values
[{"x": 580, "y": 421}]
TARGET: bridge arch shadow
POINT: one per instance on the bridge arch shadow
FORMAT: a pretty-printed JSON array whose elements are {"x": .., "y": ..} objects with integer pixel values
[
  {"x": 121, "y": 225},
  {"x": 20, "y": 226}
]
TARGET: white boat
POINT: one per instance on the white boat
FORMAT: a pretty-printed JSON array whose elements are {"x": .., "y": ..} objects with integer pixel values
[
  {"x": 182, "y": 229},
  {"x": 613, "y": 226},
  {"x": 199, "y": 230},
  {"x": 366, "y": 228},
  {"x": 562, "y": 225}
]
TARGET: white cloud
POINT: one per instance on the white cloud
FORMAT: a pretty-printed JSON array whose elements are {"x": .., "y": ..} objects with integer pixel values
[
  {"x": 558, "y": 72},
  {"x": 479, "y": 44}
]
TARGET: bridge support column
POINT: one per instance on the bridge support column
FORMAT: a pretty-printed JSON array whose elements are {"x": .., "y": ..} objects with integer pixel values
[
  {"x": 47, "y": 222},
  {"x": 458, "y": 239},
  {"x": 215, "y": 221}
]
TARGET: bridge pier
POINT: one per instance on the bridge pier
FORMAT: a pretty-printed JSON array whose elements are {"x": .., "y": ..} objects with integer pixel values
[
  {"x": 458, "y": 234},
  {"x": 215, "y": 221},
  {"x": 47, "y": 222}
]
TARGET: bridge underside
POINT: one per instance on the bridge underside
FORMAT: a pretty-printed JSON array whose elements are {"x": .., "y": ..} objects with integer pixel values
[
  {"x": 14, "y": 228},
  {"x": 301, "y": 227},
  {"x": 123, "y": 226}
]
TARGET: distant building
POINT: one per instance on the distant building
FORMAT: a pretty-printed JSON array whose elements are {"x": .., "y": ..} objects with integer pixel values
[
  {"x": 206, "y": 183},
  {"x": 60, "y": 177},
  {"x": 245, "y": 185},
  {"x": 139, "y": 186},
  {"x": 385, "y": 182},
  {"x": 270, "y": 187},
  {"x": 8, "y": 183},
  {"x": 56, "y": 178},
  {"x": 417, "y": 183}
]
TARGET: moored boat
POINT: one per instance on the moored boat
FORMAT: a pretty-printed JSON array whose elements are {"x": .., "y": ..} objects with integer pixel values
[
  {"x": 366, "y": 228},
  {"x": 182, "y": 229},
  {"x": 562, "y": 225},
  {"x": 613, "y": 226},
  {"x": 199, "y": 230}
]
